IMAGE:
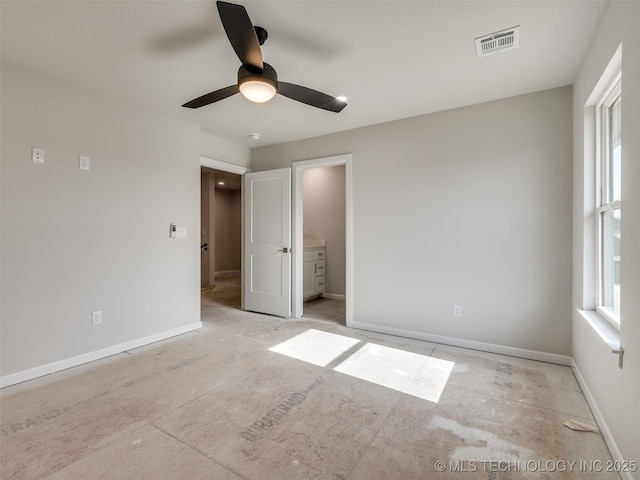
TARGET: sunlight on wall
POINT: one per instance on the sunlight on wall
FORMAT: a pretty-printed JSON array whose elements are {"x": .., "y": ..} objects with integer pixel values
[
  {"x": 316, "y": 347},
  {"x": 407, "y": 372}
]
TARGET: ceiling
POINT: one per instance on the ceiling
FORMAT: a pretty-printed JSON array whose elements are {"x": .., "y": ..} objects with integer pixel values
[{"x": 392, "y": 59}]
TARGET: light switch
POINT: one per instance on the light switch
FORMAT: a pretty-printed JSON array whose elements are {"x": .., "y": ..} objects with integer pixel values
[{"x": 181, "y": 232}]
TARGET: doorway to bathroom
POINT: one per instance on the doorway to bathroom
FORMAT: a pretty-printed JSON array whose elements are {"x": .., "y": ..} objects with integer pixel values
[{"x": 322, "y": 239}]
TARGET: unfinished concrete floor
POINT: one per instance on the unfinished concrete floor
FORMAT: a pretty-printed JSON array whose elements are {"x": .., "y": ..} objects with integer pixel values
[
  {"x": 325, "y": 309},
  {"x": 256, "y": 397}
]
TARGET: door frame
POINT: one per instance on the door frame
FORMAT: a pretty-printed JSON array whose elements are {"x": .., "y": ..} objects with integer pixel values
[
  {"x": 298, "y": 232},
  {"x": 238, "y": 170},
  {"x": 224, "y": 166}
]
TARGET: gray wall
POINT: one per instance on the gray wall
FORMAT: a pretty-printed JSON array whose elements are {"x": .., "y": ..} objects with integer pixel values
[
  {"x": 324, "y": 215},
  {"x": 227, "y": 229},
  {"x": 76, "y": 241},
  {"x": 616, "y": 392},
  {"x": 469, "y": 206}
]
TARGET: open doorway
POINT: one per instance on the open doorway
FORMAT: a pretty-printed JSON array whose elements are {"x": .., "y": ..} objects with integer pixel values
[
  {"x": 322, "y": 223},
  {"x": 221, "y": 238},
  {"x": 324, "y": 243}
]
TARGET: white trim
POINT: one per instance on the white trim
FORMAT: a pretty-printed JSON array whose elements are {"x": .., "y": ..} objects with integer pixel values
[
  {"x": 224, "y": 166},
  {"x": 229, "y": 272},
  {"x": 606, "y": 332},
  {"x": 53, "y": 367},
  {"x": 334, "y": 296},
  {"x": 471, "y": 344},
  {"x": 602, "y": 424},
  {"x": 297, "y": 230},
  {"x": 607, "y": 78},
  {"x": 604, "y": 203}
]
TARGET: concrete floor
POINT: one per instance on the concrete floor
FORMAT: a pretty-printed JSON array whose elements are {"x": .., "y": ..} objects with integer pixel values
[
  {"x": 325, "y": 309},
  {"x": 256, "y": 397}
]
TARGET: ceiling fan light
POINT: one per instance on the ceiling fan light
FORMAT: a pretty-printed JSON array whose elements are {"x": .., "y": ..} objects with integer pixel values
[{"x": 258, "y": 90}]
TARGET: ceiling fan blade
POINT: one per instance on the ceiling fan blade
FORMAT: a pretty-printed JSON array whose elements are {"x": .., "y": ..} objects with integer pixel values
[
  {"x": 212, "y": 97},
  {"x": 310, "y": 97},
  {"x": 242, "y": 35}
]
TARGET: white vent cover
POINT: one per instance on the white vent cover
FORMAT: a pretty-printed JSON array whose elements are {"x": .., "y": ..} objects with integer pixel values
[{"x": 498, "y": 42}]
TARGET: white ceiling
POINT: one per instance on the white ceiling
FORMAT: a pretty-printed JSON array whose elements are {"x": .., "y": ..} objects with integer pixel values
[{"x": 392, "y": 59}]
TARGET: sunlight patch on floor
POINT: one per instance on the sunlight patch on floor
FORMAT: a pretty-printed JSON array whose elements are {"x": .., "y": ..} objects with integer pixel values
[
  {"x": 315, "y": 347},
  {"x": 412, "y": 373},
  {"x": 407, "y": 372}
]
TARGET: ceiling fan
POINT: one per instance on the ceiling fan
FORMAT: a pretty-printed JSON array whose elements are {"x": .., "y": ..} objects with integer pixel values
[{"x": 257, "y": 80}]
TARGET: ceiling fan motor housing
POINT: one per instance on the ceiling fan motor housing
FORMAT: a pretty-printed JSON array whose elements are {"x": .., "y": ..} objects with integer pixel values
[
  {"x": 268, "y": 75},
  {"x": 258, "y": 86}
]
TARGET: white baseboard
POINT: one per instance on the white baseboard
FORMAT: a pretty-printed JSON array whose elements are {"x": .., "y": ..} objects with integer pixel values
[
  {"x": 334, "y": 296},
  {"x": 53, "y": 367},
  {"x": 602, "y": 424},
  {"x": 228, "y": 272},
  {"x": 472, "y": 344}
]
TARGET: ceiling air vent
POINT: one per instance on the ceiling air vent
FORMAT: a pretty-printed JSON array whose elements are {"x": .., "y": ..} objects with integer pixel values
[{"x": 498, "y": 42}]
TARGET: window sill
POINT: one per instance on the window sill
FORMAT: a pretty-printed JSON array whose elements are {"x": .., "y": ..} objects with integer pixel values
[{"x": 602, "y": 327}]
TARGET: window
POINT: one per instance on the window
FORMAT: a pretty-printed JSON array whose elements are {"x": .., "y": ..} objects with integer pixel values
[{"x": 609, "y": 197}]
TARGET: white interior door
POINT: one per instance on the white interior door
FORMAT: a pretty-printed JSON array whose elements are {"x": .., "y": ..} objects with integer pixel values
[{"x": 267, "y": 242}]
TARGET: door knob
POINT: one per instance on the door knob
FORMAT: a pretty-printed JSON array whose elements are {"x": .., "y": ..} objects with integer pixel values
[{"x": 285, "y": 250}]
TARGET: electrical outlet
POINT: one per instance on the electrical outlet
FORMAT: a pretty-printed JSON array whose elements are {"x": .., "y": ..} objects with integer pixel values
[
  {"x": 96, "y": 318},
  {"x": 457, "y": 310},
  {"x": 37, "y": 155},
  {"x": 84, "y": 162}
]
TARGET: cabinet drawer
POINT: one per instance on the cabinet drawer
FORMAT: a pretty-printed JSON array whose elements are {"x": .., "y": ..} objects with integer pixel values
[
  {"x": 313, "y": 255},
  {"x": 320, "y": 284},
  {"x": 320, "y": 267}
]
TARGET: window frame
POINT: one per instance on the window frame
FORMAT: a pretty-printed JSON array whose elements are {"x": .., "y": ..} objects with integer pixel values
[{"x": 603, "y": 195}]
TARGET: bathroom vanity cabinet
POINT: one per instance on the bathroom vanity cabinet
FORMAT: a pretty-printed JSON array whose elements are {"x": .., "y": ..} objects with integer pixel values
[{"x": 313, "y": 272}]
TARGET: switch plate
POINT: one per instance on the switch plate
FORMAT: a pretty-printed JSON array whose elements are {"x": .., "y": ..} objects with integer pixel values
[
  {"x": 181, "y": 232},
  {"x": 96, "y": 318},
  {"x": 457, "y": 310},
  {"x": 84, "y": 163},
  {"x": 37, "y": 155}
]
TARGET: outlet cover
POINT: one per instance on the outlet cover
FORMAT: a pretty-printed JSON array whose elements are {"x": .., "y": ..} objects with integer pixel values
[
  {"x": 96, "y": 318},
  {"x": 457, "y": 310},
  {"x": 84, "y": 162},
  {"x": 37, "y": 155}
]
